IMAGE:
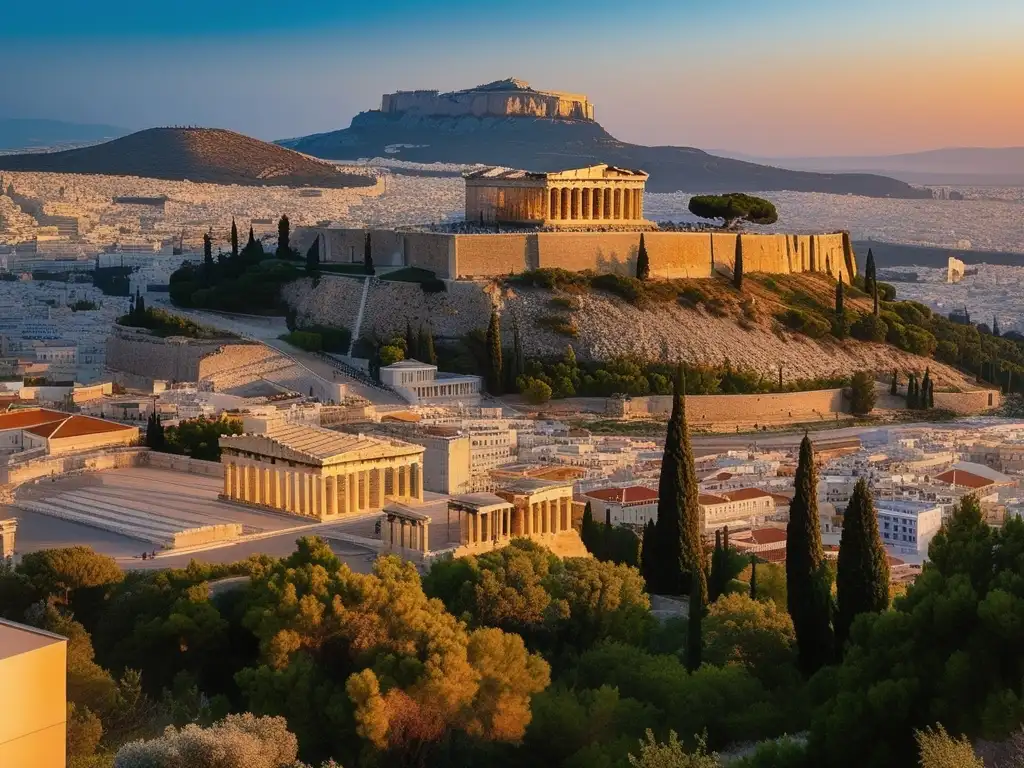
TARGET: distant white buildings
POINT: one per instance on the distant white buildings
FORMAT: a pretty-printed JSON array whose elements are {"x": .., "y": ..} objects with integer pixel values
[
  {"x": 908, "y": 527},
  {"x": 422, "y": 384}
]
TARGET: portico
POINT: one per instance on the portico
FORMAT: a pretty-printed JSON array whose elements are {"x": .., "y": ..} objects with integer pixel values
[
  {"x": 318, "y": 473},
  {"x": 599, "y": 197}
]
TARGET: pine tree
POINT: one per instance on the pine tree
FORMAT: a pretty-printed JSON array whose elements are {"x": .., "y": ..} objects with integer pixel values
[
  {"x": 737, "y": 267},
  {"x": 643, "y": 263},
  {"x": 694, "y": 630},
  {"x": 313, "y": 257},
  {"x": 425, "y": 344},
  {"x": 284, "y": 250},
  {"x": 494, "y": 363},
  {"x": 680, "y": 543},
  {"x": 412, "y": 351},
  {"x": 648, "y": 555},
  {"x": 368, "y": 256},
  {"x": 894, "y": 386},
  {"x": 753, "y": 577},
  {"x": 234, "y": 239},
  {"x": 995, "y": 326},
  {"x": 862, "y": 578},
  {"x": 808, "y": 591}
]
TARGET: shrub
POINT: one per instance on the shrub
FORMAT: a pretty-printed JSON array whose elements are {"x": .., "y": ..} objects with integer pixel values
[
  {"x": 391, "y": 354},
  {"x": 627, "y": 288},
  {"x": 920, "y": 342},
  {"x": 535, "y": 391},
  {"x": 558, "y": 324},
  {"x": 804, "y": 322},
  {"x": 869, "y": 328},
  {"x": 691, "y": 296},
  {"x": 947, "y": 352},
  {"x": 562, "y": 302},
  {"x": 717, "y": 307},
  {"x": 910, "y": 312},
  {"x": 862, "y": 393},
  {"x": 553, "y": 278}
]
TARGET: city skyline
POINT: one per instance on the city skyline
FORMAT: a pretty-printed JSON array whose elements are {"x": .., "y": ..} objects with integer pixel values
[{"x": 791, "y": 80}]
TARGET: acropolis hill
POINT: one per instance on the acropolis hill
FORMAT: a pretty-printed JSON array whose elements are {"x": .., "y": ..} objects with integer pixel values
[{"x": 502, "y": 98}]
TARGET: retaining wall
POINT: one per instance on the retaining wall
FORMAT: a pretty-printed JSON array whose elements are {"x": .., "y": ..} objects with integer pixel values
[
  {"x": 138, "y": 352},
  {"x": 969, "y": 403},
  {"x": 176, "y": 463},
  {"x": 17, "y": 474},
  {"x": 707, "y": 410}
]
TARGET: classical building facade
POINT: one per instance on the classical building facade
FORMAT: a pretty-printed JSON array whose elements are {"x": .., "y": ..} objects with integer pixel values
[
  {"x": 420, "y": 384},
  {"x": 502, "y": 98},
  {"x": 599, "y": 197},
  {"x": 319, "y": 473}
]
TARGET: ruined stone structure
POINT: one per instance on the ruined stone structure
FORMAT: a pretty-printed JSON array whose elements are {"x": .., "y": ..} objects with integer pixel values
[
  {"x": 502, "y": 98},
  {"x": 318, "y": 473},
  {"x": 600, "y": 196}
]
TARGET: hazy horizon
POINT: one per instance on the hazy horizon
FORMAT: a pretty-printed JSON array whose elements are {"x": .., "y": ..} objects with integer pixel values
[{"x": 790, "y": 80}]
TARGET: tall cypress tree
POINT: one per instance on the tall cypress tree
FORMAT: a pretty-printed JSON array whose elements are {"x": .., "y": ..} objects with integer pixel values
[
  {"x": 869, "y": 273},
  {"x": 234, "y": 238},
  {"x": 284, "y": 250},
  {"x": 840, "y": 309},
  {"x": 737, "y": 267},
  {"x": 313, "y": 257},
  {"x": 808, "y": 589},
  {"x": 680, "y": 524},
  {"x": 874, "y": 297},
  {"x": 862, "y": 579},
  {"x": 925, "y": 386},
  {"x": 588, "y": 529},
  {"x": 894, "y": 386},
  {"x": 208, "y": 256},
  {"x": 694, "y": 630},
  {"x": 494, "y": 362},
  {"x": 516, "y": 365},
  {"x": 930, "y": 396},
  {"x": 912, "y": 398},
  {"x": 715, "y": 580},
  {"x": 643, "y": 263},
  {"x": 412, "y": 351},
  {"x": 648, "y": 555},
  {"x": 753, "y": 577},
  {"x": 368, "y": 256},
  {"x": 425, "y": 345},
  {"x": 995, "y": 326}
]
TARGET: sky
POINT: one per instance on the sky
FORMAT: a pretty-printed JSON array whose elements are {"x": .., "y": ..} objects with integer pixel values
[{"x": 769, "y": 79}]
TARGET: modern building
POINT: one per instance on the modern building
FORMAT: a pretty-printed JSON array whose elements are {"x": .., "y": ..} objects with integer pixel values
[
  {"x": 422, "y": 384},
  {"x": 599, "y": 196},
  {"x": 320, "y": 473},
  {"x": 908, "y": 527},
  {"x": 631, "y": 506},
  {"x": 33, "y": 710}
]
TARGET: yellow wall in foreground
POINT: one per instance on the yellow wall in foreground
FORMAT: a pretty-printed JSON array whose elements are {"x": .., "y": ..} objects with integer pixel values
[{"x": 33, "y": 708}]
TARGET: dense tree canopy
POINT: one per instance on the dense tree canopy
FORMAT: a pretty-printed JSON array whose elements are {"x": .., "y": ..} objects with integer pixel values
[{"x": 733, "y": 208}]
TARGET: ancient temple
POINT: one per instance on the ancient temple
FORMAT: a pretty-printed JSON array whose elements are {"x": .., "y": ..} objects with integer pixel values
[{"x": 598, "y": 197}]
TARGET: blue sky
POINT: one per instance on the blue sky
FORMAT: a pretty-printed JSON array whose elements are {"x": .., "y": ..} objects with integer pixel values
[{"x": 788, "y": 77}]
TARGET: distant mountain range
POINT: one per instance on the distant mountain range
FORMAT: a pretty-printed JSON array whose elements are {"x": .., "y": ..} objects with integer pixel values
[
  {"x": 24, "y": 133},
  {"x": 209, "y": 155},
  {"x": 540, "y": 144},
  {"x": 955, "y": 165}
]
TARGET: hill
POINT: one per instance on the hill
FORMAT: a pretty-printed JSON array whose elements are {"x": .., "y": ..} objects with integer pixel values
[
  {"x": 26, "y": 133},
  {"x": 507, "y": 123},
  {"x": 209, "y": 155}
]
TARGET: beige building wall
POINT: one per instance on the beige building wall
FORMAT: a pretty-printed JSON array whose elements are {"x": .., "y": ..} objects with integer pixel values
[
  {"x": 711, "y": 409},
  {"x": 493, "y": 255},
  {"x": 33, "y": 708},
  {"x": 120, "y": 438},
  {"x": 967, "y": 403},
  {"x": 446, "y": 462}
]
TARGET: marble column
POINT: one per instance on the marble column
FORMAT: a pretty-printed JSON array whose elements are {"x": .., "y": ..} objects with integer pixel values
[
  {"x": 321, "y": 497},
  {"x": 331, "y": 495},
  {"x": 564, "y": 203},
  {"x": 352, "y": 487},
  {"x": 363, "y": 478},
  {"x": 528, "y": 520},
  {"x": 419, "y": 482},
  {"x": 296, "y": 493},
  {"x": 599, "y": 202},
  {"x": 585, "y": 203},
  {"x": 425, "y": 536},
  {"x": 227, "y": 480}
]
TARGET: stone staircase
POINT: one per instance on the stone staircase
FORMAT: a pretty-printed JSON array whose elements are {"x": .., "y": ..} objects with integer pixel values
[{"x": 359, "y": 315}]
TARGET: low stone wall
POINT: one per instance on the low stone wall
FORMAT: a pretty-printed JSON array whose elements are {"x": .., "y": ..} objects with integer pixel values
[
  {"x": 96, "y": 461},
  {"x": 138, "y": 352},
  {"x": 709, "y": 410},
  {"x": 207, "y": 534},
  {"x": 174, "y": 463},
  {"x": 969, "y": 403}
]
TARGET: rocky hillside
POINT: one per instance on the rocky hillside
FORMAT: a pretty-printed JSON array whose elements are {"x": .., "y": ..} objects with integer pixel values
[
  {"x": 698, "y": 321},
  {"x": 549, "y": 145},
  {"x": 208, "y": 155}
]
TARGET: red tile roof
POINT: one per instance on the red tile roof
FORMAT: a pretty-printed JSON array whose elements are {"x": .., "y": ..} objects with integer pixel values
[
  {"x": 75, "y": 426},
  {"x": 768, "y": 535},
  {"x": 959, "y": 477},
  {"x": 707, "y": 499},
  {"x": 632, "y": 494},
  {"x": 745, "y": 494},
  {"x": 29, "y": 417}
]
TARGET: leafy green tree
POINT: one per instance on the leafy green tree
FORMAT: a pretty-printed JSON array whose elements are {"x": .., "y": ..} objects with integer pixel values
[
  {"x": 643, "y": 262},
  {"x": 680, "y": 555},
  {"x": 733, "y": 208},
  {"x": 754, "y": 634},
  {"x": 694, "y": 631},
  {"x": 368, "y": 267},
  {"x": 862, "y": 578},
  {"x": 807, "y": 587},
  {"x": 200, "y": 437},
  {"x": 940, "y": 750},
  {"x": 737, "y": 267},
  {"x": 234, "y": 238},
  {"x": 391, "y": 354},
  {"x": 535, "y": 391},
  {"x": 284, "y": 250},
  {"x": 155, "y": 438},
  {"x": 494, "y": 362},
  {"x": 61, "y": 572},
  {"x": 672, "y": 754},
  {"x": 862, "y": 393}
]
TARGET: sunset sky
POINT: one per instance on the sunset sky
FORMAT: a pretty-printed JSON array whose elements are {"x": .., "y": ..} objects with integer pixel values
[{"x": 782, "y": 78}]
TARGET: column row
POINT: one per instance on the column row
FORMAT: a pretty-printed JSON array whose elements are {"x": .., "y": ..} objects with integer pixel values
[
  {"x": 547, "y": 517},
  {"x": 494, "y": 525},
  {"x": 595, "y": 204},
  {"x": 418, "y": 537}
]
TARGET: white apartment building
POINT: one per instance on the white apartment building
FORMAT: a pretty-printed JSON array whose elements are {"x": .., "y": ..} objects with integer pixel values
[
  {"x": 744, "y": 508},
  {"x": 631, "y": 506},
  {"x": 489, "y": 448},
  {"x": 908, "y": 527}
]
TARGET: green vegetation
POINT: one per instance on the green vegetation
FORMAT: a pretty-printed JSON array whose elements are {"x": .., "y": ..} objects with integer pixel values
[
  {"x": 161, "y": 323},
  {"x": 862, "y": 576},
  {"x": 606, "y": 542},
  {"x": 427, "y": 280},
  {"x": 639, "y": 292},
  {"x": 733, "y": 208},
  {"x": 643, "y": 261},
  {"x": 737, "y": 268},
  {"x": 495, "y": 377},
  {"x": 83, "y": 305},
  {"x": 560, "y": 324},
  {"x": 197, "y": 437},
  {"x": 319, "y": 338},
  {"x": 862, "y": 393}
]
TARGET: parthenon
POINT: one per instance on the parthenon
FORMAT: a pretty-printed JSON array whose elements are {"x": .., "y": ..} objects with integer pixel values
[
  {"x": 319, "y": 473},
  {"x": 600, "y": 196}
]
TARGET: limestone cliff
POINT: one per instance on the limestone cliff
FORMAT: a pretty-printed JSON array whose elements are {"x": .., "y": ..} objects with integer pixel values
[{"x": 502, "y": 98}]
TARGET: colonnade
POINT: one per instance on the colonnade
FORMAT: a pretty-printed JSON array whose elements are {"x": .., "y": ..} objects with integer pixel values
[
  {"x": 596, "y": 203},
  {"x": 418, "y": 537},
  {"x": 320, "y": 493},
  {"x": 498, "y": 525}
]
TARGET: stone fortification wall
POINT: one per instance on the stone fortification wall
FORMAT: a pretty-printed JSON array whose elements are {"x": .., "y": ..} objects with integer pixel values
[
  {"x": 705, "y": 411},
  {"x": 95, "y": 461},
  {"x": 785, "y": 254},
  {"x": 494, "y": 254},
  {"x": 477, "y": 103},
  {"x": 137, "y": 352},
  {"x": 969, "y": 403}
]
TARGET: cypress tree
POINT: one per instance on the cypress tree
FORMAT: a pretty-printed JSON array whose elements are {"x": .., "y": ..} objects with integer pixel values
[
  {"x": 516, "y": 365},
  {"x": 714, "y": 582},
  {"x": 643, "y": 263},
  {"x": 588, "y": 529},
  {"x": 252, "y": 239},
  {"x": 894, "y": 387},
  {"x": 995, "y": 326},
  {"x": 208, "y": 256},
  {"x": 494, "y": 363},
  {"x": 839, "y": 297},
  {"x": 426, "y": 345},
  {"x": 862, "y": 579},
  {"x": 753, "y": 577},
  {"x": 284, "y": 250},
  {"x": 694, "y": 639},
  {"x": 912, "y": 392},
  {"x": 140, "y": 306},
  {"x": 737, "y": 267},
  {"x": 679, "y": 529},
  {"x": 234, "y": 239},
  {"x": 368, "y": 256},
  {"x": 412, "y": 351},
  {"x": 874, "y": 296},
  {"x": 869, "y": 273},
  {"x": 313, "y": 257},
  {"x": 925, "y": 386},
  {"x": 930, "y": 401},
  {"x": 808, "y": 591},
  {"x": 647, "y": 554}
]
